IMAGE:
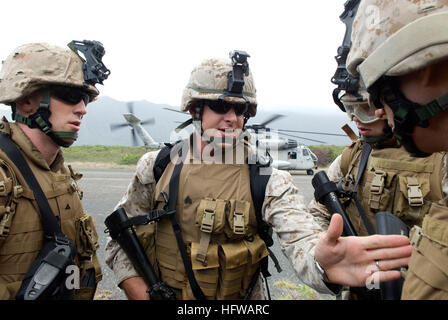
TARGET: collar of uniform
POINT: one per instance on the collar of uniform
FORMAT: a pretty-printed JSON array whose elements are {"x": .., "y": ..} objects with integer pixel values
[{"x": 26, "y": 146}]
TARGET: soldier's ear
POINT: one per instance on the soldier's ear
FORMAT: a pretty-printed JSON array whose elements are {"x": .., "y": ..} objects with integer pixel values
[
  {"x": 29, "y": 104},
  {"x": 381, "y": 114}
]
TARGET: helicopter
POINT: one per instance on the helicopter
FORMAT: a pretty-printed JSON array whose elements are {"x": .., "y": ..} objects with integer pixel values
[
  {"x": 287, "y": 154},
  {"x": 136, "y": 126}
]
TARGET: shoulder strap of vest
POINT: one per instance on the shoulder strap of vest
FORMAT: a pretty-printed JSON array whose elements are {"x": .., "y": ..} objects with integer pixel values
[
  {"x": 162, "y": 160},
  {"x": 366, "y": 149},
  {"x": 258, "y": 183},
  {"x": 49, "y": 222}
]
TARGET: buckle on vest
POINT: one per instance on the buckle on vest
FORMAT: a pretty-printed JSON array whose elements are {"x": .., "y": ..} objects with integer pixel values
[
  {"x": 4, "y": 228},
  {"x": 415, "y": 196},
  {"x": 17, "y": 191},
  {"x": 2, "y": 188},
  {"x": 208, "y": 220},
  {"x": 415, "y": 236},
  {"x": 378, "y": 182},
  {"x": 238, "y": 223}
]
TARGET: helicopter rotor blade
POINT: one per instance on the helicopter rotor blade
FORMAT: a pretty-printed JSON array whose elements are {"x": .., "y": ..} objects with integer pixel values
[
  {"x": 311, "y": 132},
  {"x": 174, "y": 110},
  {"x": 116, "y": 126},
  {"x": 272, "y": 118},
  {"x": 290, "y": 135},
  {"x": 131, "y": 107}
]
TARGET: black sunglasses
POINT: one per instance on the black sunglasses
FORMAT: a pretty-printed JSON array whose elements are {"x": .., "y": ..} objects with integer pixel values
[
  {"x": 224, "y": 107},
  {"x": 70, "y": 95}
]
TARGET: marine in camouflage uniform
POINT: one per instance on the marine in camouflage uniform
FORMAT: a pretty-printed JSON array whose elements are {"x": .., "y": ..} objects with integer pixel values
[
  {"x": 228, "y": 182},
  {"x": 52, "y": 78},
  {"x": 399, "y": 51},
  {"x": 392, "y": 181}
]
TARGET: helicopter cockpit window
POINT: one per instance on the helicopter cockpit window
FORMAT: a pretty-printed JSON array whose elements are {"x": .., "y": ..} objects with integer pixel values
[
  {"x": 292, "y": 155},
  {"x": 305, "y": 152}
]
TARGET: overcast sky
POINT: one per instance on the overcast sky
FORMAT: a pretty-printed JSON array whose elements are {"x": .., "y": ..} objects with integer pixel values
[{"x": 152, "y": 46}]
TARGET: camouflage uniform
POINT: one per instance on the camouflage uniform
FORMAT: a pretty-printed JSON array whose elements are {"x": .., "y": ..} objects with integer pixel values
[
  {"x": 283, "y": 208},
  {"x": 29, "y": 68},
  {"x": 298, "y": 233},
  {"x": 392, "y": 39}
]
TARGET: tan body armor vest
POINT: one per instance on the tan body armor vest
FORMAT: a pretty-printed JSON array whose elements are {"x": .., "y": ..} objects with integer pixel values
[
  {"x": 427, "y": 276},
  {"x": 392, "y": 181},
  {"x": 21, "y": 235},
  {"x": 216, "y": 213}
]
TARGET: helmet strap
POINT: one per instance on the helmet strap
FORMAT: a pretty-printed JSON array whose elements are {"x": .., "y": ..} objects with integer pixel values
[
  {"x": 408, "y": 115},
  {"x": 379, "y": 141},
  {"x": 40, "y": 120}
]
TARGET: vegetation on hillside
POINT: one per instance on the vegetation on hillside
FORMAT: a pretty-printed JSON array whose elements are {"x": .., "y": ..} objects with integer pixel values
[
  {"x": 108, "y": 154},
  {"x": 326, "y": 153},
  {"x": 130, "y": 155}
]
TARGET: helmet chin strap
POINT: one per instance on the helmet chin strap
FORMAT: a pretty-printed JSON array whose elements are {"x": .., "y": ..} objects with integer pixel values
[
  {"x": 378, "y": 141},
  {"x": 40, "y": 120},
  {"x": 408, "y": 115}
]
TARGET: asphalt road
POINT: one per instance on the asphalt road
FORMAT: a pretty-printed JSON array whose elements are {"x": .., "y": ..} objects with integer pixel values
[{"x": 103, "y": 189}]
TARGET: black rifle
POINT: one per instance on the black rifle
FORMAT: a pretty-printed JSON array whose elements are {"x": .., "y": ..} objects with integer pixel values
[
  {"x": 121, "y": 230},
  {"x": 326, "y": 193},
  {"x": 387, "y": 223}
]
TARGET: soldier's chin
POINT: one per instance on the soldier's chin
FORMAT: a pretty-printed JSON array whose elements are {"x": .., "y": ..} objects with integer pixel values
[{"x": 68, "y": 142}]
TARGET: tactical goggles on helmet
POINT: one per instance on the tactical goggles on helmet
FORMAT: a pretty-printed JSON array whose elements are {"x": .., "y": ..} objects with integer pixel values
[
  {"x": 70, "y": 95},
  {"x": 362, "y": 111},
  {"x": 222, "y": 107}
]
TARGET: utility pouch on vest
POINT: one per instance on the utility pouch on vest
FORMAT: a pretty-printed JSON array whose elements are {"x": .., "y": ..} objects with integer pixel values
[
  {"x": 233, "y": 258},
  {"x": 87, "y": 243},
  {"x": 429, "y": 260},
  {"x": 210, "y": 218},
  {"x": 238, "y": 219},
  {"x": 412, "y": 204},
  {"x": 376, "y": 189},
  {"x": 46, "y": 278},
  {"x": 257, "y": 251},
  {"x": 8, "y": 204},
  {"x": 206, "y": 274}
]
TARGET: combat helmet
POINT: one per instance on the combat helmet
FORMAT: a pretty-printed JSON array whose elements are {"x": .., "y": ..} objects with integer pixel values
[
  {"x": 219, "y": 79},
  {"x": 394, "y": 38},
  {"x": 35, "y": 66}
]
